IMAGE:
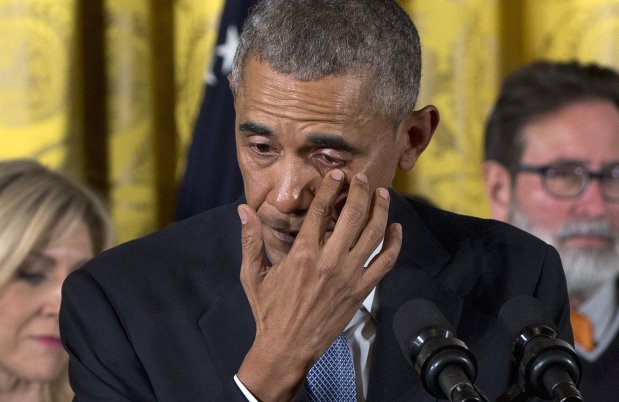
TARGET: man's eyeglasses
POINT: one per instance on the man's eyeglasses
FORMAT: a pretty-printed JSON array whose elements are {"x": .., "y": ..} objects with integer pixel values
[{"x": 571, "y": 181}]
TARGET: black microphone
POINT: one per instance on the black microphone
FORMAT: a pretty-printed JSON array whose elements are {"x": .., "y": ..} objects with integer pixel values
[
  {"x": 445, "y": 365},
  {"x": 549, "y": 368}
]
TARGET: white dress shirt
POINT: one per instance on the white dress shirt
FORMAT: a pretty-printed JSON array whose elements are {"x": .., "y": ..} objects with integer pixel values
[{"x": 601, "y": 309}]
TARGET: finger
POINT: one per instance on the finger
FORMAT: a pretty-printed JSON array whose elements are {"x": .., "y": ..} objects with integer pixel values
[
  {"x": 385, "y": 260},
  {"x": 252, "y": 246},
  {"x": 374, "y": 231},
  {"x": 320, "y": 213},
  {"x": 354, "y": 215}
]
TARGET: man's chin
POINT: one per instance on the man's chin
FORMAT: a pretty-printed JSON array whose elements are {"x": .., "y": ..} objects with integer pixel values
[
  {"x": 274, "y": 255},
  {"x": 276, "y": 250}
]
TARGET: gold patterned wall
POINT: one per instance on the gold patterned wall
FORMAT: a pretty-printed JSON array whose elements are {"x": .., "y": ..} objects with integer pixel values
[
  {"x": 124, "y": 123},
  {"x": 130, "y": 114},
  {"x": 42, "y": 73},
  {"x": 468, "y": 46},
  {"x": 460, "y": 75},
  {"x": 135, "y": 171},
  {"x": 36, "y": 42},
  {"x": 195, "y": 36},
  {"x": 562, "y": 29}
]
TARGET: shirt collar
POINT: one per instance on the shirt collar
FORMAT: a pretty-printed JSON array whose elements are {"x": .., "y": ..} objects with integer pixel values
[
  {"x": 601, "y": 307},
  {"x": 371, "y": 301}
]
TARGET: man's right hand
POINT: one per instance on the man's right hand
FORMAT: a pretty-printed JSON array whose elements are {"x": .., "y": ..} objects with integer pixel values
[{"x": 303, "y": 303}]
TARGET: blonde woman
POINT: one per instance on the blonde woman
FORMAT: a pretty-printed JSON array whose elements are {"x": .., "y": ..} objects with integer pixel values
[{"x": 49, "y": 226}]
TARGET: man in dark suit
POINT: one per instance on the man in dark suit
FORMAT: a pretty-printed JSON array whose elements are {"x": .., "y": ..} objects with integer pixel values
[
  {"x": 240, "y": 302},
  {"x": 552, "y": 169}
]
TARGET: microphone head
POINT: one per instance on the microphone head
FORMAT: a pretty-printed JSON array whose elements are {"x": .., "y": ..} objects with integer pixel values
[
  {"x": 412, "y": 318},
  {"x": 523, "y": 317},
  {"x": 520, "y": 312},
  {"x": 443, "y": 362},
  {"x": 549, "y": 367}
]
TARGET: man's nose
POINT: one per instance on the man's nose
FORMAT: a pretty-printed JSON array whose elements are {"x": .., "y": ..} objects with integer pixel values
[{"x": 295, "y": 187}]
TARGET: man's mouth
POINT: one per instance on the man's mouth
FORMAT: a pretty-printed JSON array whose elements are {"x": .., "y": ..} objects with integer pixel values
[
  {"x": 285, "y": 236},
  {"x": 596, "y": 234},
  {"x": 587, "y": 241}
]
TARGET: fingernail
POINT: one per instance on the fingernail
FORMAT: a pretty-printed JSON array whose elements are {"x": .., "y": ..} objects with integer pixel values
[
  {"x": 398, "y": 228},
  {"x": 337, "y": 175},
  {"x": 384, "y": 193},
  {"x": 242, "y": 215},
  {"x": 362, "y": 177}
]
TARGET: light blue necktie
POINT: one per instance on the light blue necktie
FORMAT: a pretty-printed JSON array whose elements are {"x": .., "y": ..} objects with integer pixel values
[{"x": 332, "y": 378}]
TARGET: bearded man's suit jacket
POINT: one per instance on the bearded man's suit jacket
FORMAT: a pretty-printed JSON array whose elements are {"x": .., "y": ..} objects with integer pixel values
[{"x": 165, "y": 317}]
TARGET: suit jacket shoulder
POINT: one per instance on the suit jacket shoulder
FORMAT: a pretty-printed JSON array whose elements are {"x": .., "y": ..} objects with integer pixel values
[{"x": 145, "y": 320}]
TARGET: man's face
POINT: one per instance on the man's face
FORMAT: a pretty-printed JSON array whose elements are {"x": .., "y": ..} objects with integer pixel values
[
  {"x": 584, "y": 229},
  {"x": 289, "y": 134}
]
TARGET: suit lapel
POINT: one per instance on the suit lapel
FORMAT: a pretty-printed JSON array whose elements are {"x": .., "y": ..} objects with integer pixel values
[
  {"x": 228, "y": 340},
  {"x": 413, "y": 276}
]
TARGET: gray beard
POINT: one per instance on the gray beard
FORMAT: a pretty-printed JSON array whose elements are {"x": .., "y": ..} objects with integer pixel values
[{"x": 585, "y": 268}]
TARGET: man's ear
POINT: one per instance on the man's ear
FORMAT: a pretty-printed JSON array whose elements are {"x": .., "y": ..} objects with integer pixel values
[
  {"x": 418, "y": 127},
  {"x": 498, "y": 184}
]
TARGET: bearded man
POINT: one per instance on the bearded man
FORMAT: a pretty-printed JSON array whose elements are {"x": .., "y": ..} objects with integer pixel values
[{"x": 552, "y": 168}]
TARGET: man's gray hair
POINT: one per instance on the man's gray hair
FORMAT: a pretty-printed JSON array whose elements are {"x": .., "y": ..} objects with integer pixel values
[{"x": 312, "y": 39}]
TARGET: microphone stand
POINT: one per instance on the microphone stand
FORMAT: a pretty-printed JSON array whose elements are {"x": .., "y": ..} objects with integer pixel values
[{"x": 515, "y": 393}]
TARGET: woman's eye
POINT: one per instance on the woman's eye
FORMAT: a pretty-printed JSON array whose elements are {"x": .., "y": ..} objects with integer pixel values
[
  {"x": 35, "y": 269},
  {"x": 32, "y": 278}
]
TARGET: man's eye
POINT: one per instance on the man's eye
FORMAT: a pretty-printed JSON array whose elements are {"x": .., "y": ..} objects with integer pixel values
[
  {"x": 565, "y": 171},
  {"x": 261, "y": 148},
  {"x": 331, "y": 161}
]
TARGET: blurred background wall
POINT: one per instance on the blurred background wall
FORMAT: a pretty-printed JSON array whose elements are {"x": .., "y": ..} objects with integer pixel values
[{"x": 110, "y": 90}]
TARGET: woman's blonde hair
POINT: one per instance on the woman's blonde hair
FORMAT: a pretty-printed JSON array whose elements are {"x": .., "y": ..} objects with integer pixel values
[{"x": 36, "y": 202}]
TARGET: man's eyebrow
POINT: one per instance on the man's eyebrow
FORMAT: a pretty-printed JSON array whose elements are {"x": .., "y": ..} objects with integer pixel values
[
  {"x": 318, "y": 140},
  {"x": 567, "y": 162},
  {"x": 250, "y": 128},
  {"x": 331, "y": 141}
]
